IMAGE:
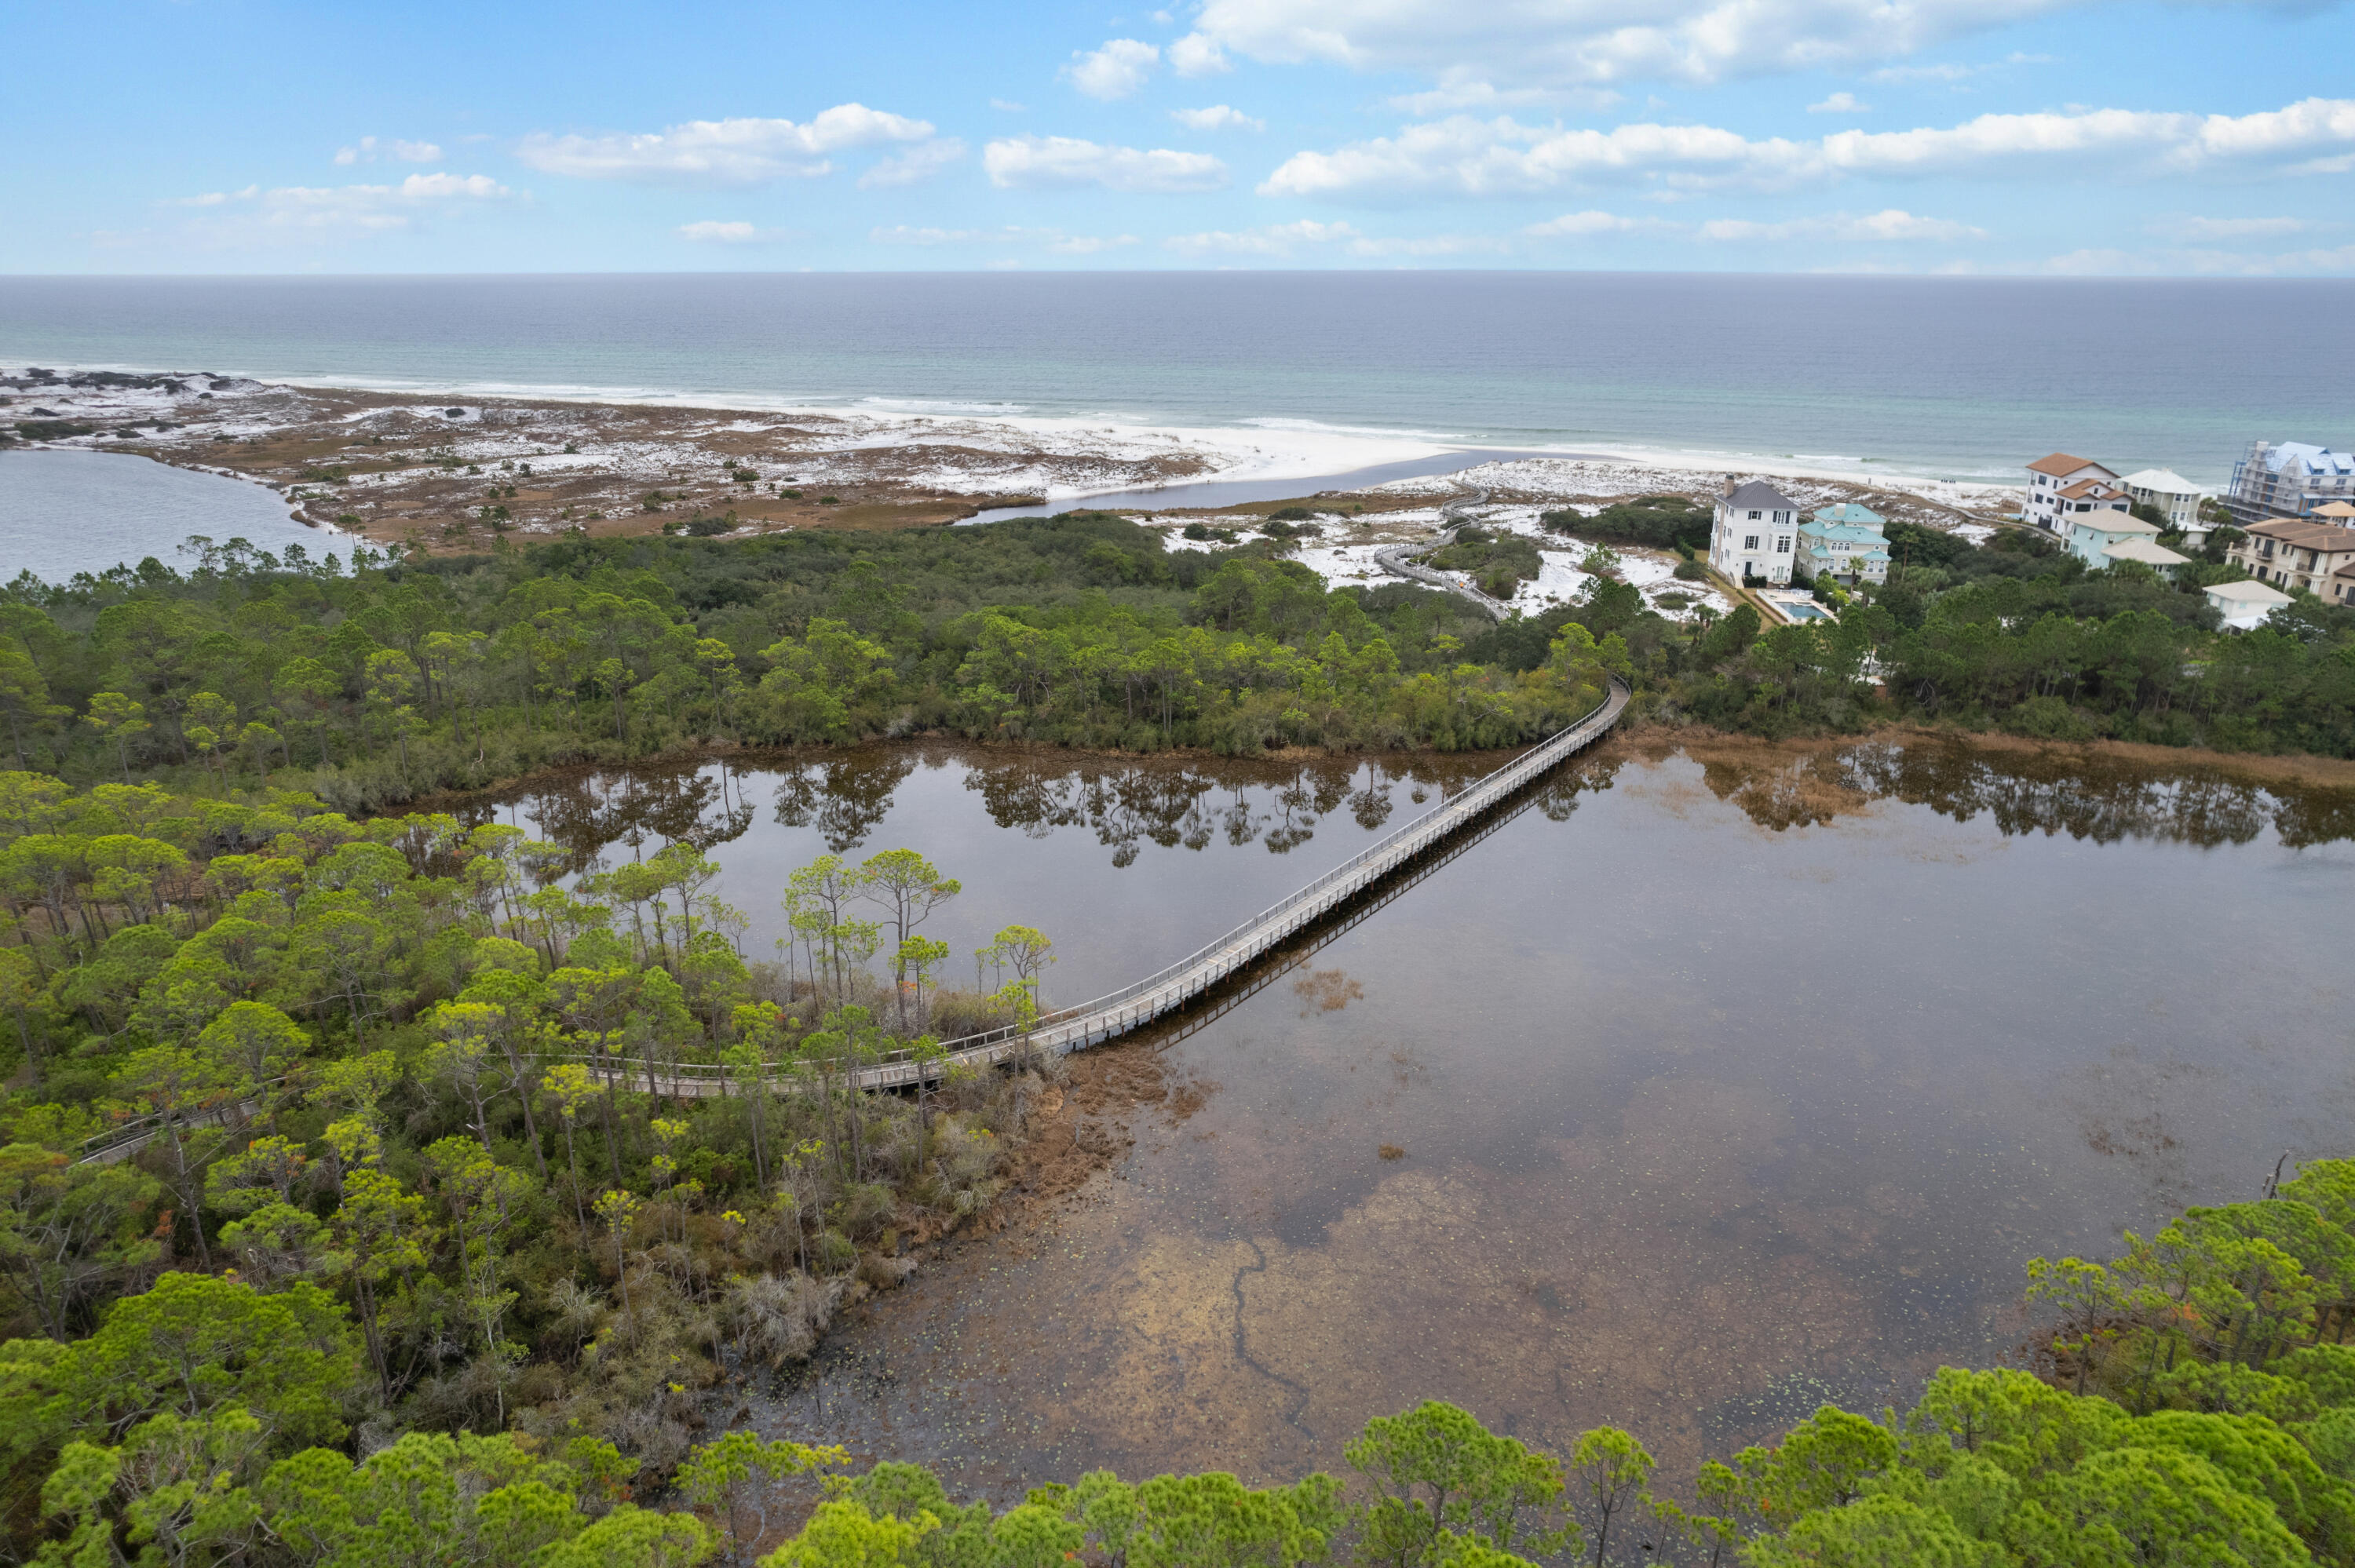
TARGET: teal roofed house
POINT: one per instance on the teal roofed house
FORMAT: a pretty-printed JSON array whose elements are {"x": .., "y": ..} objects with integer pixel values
[{"x": 1845, "y": 542}]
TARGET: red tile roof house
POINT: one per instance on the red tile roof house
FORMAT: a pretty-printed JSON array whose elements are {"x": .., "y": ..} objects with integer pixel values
[{"x": 2048, "y": 476}]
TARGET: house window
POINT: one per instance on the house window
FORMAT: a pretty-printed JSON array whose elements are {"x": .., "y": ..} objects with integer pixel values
[
  {"x": 1754, "y": 517},
  {"x": 1749, "y": 541},
  {"x": 1782, "y": 546}
]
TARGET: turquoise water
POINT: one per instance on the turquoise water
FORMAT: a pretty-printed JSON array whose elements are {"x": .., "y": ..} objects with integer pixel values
[{"x": 1959, "y": 377}]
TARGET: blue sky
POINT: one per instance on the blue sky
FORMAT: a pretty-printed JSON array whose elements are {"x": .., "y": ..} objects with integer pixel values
[{"x": 2031, "y": 136}]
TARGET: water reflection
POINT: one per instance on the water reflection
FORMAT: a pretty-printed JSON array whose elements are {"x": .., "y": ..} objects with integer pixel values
[
  {"x": 1658, "y": 1119},
  {"x": 1712, "y": 1082},
  {"x": 2091, "y": 798},
  {"x": 845, "y": 797},
  {"x": 587, "y": 814}
]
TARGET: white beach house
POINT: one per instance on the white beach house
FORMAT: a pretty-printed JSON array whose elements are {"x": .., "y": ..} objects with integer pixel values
[
  {"x": 2246, "y": 604},
  {"x": 2174, "y": 498},
  {"x": 1846, "y": 542},
  {"x": 2102, "y": 539},
  {"x": 1757, "y": 527},
  {"x": 2048, "y": 476}
]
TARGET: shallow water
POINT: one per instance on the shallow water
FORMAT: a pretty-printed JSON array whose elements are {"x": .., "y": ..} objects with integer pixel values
[
  {"x": 1726, "y": 1082},
  {"x": 63, "y": 511}
]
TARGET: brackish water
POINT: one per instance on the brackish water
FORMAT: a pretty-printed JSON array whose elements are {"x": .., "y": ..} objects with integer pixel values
[{"x": 1726, "y": 1081}]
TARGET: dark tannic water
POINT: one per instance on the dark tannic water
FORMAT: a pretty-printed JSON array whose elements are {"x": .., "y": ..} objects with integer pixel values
[{"x": 1727, "y": 1082}]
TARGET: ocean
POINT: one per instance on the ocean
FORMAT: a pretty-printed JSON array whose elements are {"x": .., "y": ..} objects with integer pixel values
[{"x": 1949, "y": 378}]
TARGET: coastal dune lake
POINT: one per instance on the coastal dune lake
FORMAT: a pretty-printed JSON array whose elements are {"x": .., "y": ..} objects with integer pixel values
[{"x": 1714, "y": 1083}]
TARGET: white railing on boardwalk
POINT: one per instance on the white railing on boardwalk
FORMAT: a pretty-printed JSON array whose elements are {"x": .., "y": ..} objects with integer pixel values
[{"x": 1090, "y": 1023}]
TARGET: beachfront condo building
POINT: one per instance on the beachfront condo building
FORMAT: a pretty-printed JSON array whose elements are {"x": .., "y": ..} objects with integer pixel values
[
  {"x": 2300, "y": 556},
  {"x": 2048, "y": 478},
  {"x": 2104, "y": 539},
  {"x": 2288, "y": 479},
  {"x": 2174, "y": 498},
  {"x": 1847, "y": 543},
  {"x": 1756, "y": 528}
]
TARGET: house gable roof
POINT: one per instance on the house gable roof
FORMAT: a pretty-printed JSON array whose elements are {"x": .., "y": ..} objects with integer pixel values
[
  {"x": 2161, "y": 481},
  {"x": 2061, "y": 465},
  {"x": 2092, "y": 489},
  {"x": 2304, "y": 457},
  {"x": 2146, "y": 552},
  {"x": 2114, "y": 522},
  {"x": 2298, "y": 533},
  {"x": 1759, "y": 496},
  {"x": 2246, "y": 592},
  {"x": 1849, "y": 514}
]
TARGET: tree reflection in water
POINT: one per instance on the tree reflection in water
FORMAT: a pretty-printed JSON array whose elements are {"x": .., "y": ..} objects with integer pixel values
[
  {"x": 845, "y": 797},
  {"x": 2083, "y": 794},
  {"x": 584, "y": 813},
  {"x": 1191, "y": 804}
]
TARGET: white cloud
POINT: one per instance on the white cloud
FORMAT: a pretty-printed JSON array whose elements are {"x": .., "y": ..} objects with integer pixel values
[
  {"x": 1430, "y": 245},
  {"x": 909, "y": 234},
  {"x": 1194, "y": 54},
  {"x": 1045, "y": 163},
  {"x": 1115, "y": 71},
  {"x": 721, "y": 152},
  {"x": 712, "y": 231},
  {"x": 2336, "y": 261},
  {"x": 1276, "y": 239},
  {"x": 1570, "y": 43},
  {"x": 1891, "y": 224},
  {"x": 1461, "y": 155},
  {"x": 919, "y": 162},
  {"x": 1053, "y": 240},
  {"x": 1465, "y": 95},
  {"x": 1839, "y": 103},
  {"x": 419, "y": 187},
  {"x": 2226, "y": 227},
  {"x": 1008, "y": 106},
  {"x": 367, "y": 150},
  {"x": 335, "y": 212},
  {"x": 1216, "y": 117},
  {"x": 1955, "y": 72},
  {"x": 1579, "y": 225},
  {"x": 1282, "y": 239}
]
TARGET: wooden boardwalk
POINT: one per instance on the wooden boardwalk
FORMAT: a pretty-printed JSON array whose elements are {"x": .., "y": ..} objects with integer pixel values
[
  {"x": 1157, "y": 994},
  {"x": 1394, "y": 561},
  {"x": 1166, "y": 991}
]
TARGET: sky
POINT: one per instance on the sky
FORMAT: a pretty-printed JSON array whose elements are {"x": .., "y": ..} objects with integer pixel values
[{"x": 1989, "y": 136}]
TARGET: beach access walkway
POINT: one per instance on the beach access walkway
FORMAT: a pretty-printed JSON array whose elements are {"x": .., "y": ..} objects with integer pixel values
[{"x": 1394, "y": 561}]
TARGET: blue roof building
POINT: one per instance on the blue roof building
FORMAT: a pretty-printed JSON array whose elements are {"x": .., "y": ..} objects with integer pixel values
[
  {"x": 1845, "y": 542},
  {"x": 2288, "y": 479}
]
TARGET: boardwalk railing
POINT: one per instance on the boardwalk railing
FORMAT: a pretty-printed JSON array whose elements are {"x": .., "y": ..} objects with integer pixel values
[
  {"x": 1394, "y": 560},
  {"x": 1171, "y": 986}
]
